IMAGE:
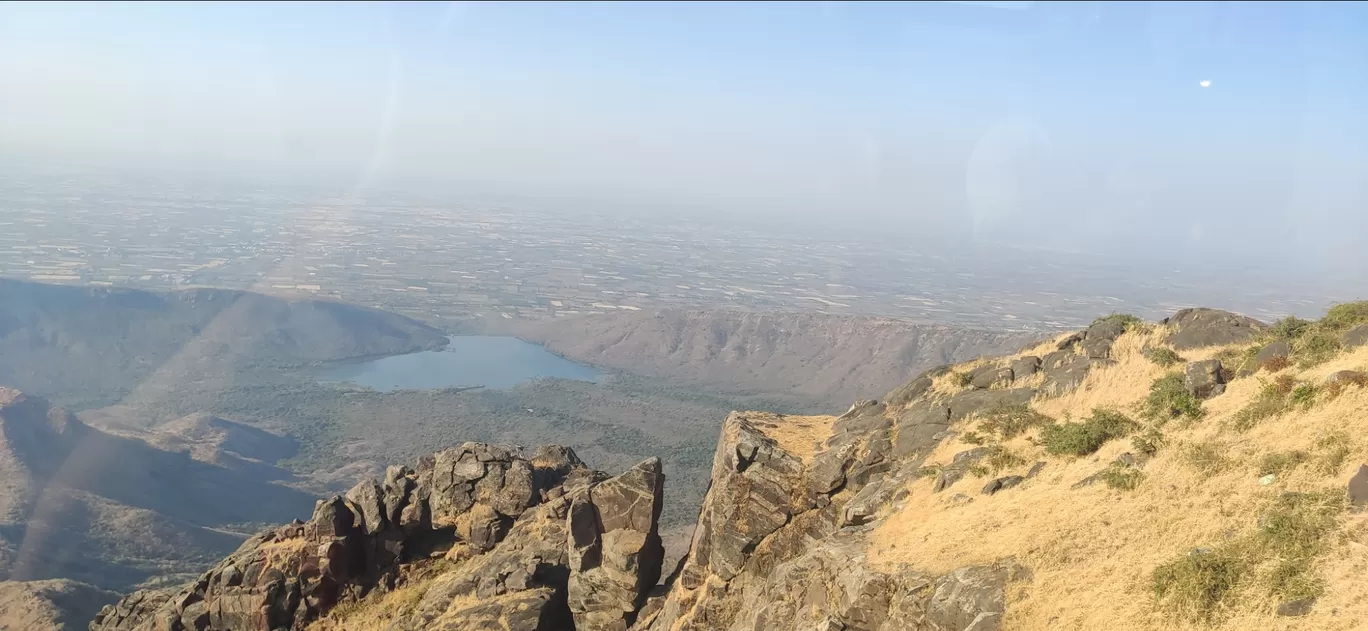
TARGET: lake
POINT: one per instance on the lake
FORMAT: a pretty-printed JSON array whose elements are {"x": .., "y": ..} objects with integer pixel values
[{"x": 469, "y": 360}]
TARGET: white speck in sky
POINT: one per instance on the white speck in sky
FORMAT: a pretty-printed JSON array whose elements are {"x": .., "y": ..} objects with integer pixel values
[{"x": 1206, "y": 83}]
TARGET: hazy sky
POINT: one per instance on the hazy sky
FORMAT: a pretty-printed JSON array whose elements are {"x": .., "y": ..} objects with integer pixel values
[{"x": 1073, "y": 125}]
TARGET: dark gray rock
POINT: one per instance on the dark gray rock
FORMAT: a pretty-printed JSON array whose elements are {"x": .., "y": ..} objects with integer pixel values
[
  {"x": 1296, "y": 608},
  {"x": 1003, "y": 483},
  {"x": 366, "y": 498},
  {"x": 917, "y": 428},
  {"x": 966, "y": 404},
  {"x": 1195, "y": 328},
  {"x": 1035, "y": 470},
  {"x": 946, "y": 479},
  {"x": 1025, "y": 367},
  {"x": 1098, "y": 338},
  {"x": 1355, "y": 337},
  {"x": 915, "y": 387},
  {"x": 1347, "y": 377},
  {"x": 1064, "y": 371},
  {"x": 1068, "y": 343},
  {"x": 1358, "y": 487},
  {"x": 987, "y": 377},
  {"x": 1272, "y": 350},
  {"x": 1202, "y": 377}
]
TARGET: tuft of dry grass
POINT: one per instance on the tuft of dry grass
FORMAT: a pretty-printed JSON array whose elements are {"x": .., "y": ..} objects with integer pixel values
[{"x": 798, "y": 435}]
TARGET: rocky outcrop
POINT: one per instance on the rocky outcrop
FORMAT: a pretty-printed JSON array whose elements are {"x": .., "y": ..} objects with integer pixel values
[
  {"x": 1195, "y": 328},
  {"x": 1204, "y": 379},
  {"x": 1355, "y": 337},
  {"x": 781, "y": 540},
  {"x": 540, "y": 543}
]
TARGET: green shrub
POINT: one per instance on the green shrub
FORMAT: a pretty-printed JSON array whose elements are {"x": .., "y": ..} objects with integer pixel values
[
  {"x": 1010, "y": 421},
  {"x": 1303, "y": 395},
  {"x": 1208, "y": 458},
  {"x": 1331, "y": 452},
  {"x": 1193, "y": 587},
  {"x": 1168, "y": 399},
  {"x": 1281, "y": 462},
  {"x": 1149, "y": 442},
  {"x": 1273, "y": 399},
  {"x": 972, "y": 438},
  {"x": 1295, "y": 529},
  {"x": 1121, "y": 477},
  {"x": 1081, "y": 439},
  {"x": 1162, "y": 356},
  {"x": 929, "y": 471},
  {"x": 1291, "y": 327},
  {"x": 1316, "y": 347},
  {"x": 1000, "y": 458},
  {"x": 1345, "y": 315},
  {"x": 961, "y": 379},
  {"x": 1126, "y": 320}
]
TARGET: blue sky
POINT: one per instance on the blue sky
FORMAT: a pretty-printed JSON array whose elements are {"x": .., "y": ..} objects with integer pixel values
[{"x": 1071, "y": 125}]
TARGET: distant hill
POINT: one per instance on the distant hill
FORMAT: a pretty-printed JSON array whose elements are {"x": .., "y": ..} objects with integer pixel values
[
  {"x": 79, "y": 503},
  {"x": 819, "y": 358},
  {"x": 87, "y": 346},
  {"x": 57, "y": 605}
]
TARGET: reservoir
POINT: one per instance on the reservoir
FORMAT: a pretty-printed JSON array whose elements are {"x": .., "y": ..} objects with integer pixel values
[{"x": 468, "y": 361}]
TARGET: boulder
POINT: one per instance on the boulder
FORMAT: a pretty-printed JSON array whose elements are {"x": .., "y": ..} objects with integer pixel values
[
  {"x": 1195, "y": 328},
  {"x": 1204, "y": 379},
  {"x": 970, "y": 598},
  {"x": 1069, "y": 342},
  {"x": 985, "y": 378},
  {"x": 1296, "y": 608},
  {"x": 915, "y": 387},
  {"x": 1002, "y": 484},
  {"x": 1358, "y": 487},
  {"x": 1348, "y": 377},
  {"x": 1098, "y": 338},
  {"x": 1355, "y": 337},
  {"x": 366, "y": 500},
  {"x": 1064, "y": 371},
  {"x": 1025, "y": 367},
  {"x": 1271, "y": 352}
]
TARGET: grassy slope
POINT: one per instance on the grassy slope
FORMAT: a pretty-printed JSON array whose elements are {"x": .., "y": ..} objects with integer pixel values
[{"x": 1094, "y": 550}]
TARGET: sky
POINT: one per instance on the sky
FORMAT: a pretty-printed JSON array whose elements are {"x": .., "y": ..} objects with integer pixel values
[{"x": 1075, "y": 126}]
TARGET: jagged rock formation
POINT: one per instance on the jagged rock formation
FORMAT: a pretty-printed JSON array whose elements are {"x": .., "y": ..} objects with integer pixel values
[
  {"x": 536, "y": 543},
  {"x": 805, "y": 523}
]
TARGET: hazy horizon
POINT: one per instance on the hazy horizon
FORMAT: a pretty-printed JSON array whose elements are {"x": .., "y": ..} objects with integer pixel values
[{"x": 1076, "y": 126}]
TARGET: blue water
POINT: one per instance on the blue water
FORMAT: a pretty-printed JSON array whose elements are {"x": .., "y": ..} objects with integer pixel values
[{"x": 469, "y": 360}]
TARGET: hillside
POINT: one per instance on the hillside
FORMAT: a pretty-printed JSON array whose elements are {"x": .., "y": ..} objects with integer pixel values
[
  {"x": 58, "y": 605},
  {"x": 810, "y": 357},
  {"x": 1202, "y": 472},
  {"x": 112, "y": 511},
  {"x": 86, "y": 346}
]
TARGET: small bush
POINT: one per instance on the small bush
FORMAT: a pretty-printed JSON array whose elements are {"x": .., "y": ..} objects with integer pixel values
[
  {"x": 1120, "y": 477},
  {"x": 1316, "y": 347},
  {"x": 1148, "y": 443},
  {"x": 1276, "y": 363},
  {"x": 1281, "y": 462},
  {"x": 978, "y": 470},
  {"x": 1000, "y": 458},
  {"x": 1346, "y": 315},
  {"x": 1352, "y": 379},
  {"x": 1081, "y": 439},
  {"x": 1193, "y": 587},
  {"x": 1331, "y": 452},
  {"x": 1163, "y": 357},
  {"x": 1126, "y": 320},
  {"x": 961, "y": 379},
  {"x": 1291, "y": 327},
  {"x": 972, "y": 438},
  {"x": 1296, "y": 529},
  {"x": 1273, "y": 399},
  {"x": 1012, "y": 420},
  {"x": 1168, "y": 399},
  {"x": 929, "y": 471},
  {"x": 1303, "y": 395},
  {"x": 1207, "y": 458}
]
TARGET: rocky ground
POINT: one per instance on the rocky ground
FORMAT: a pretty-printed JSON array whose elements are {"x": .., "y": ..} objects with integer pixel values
[{"x": 975, "y": 497}]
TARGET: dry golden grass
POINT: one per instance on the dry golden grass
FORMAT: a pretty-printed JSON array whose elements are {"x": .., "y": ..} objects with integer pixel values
[
  {"x": 1093, "y": 550},
  {"x": 284, "y": 554},
  {"x": 798, "y": 435}
]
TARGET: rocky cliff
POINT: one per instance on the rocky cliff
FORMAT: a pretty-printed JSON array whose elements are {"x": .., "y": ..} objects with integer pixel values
[{"x": 996, "y": 494}]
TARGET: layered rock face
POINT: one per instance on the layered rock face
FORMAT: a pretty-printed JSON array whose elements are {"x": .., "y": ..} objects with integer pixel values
[{"x": 539, "y": 543}]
